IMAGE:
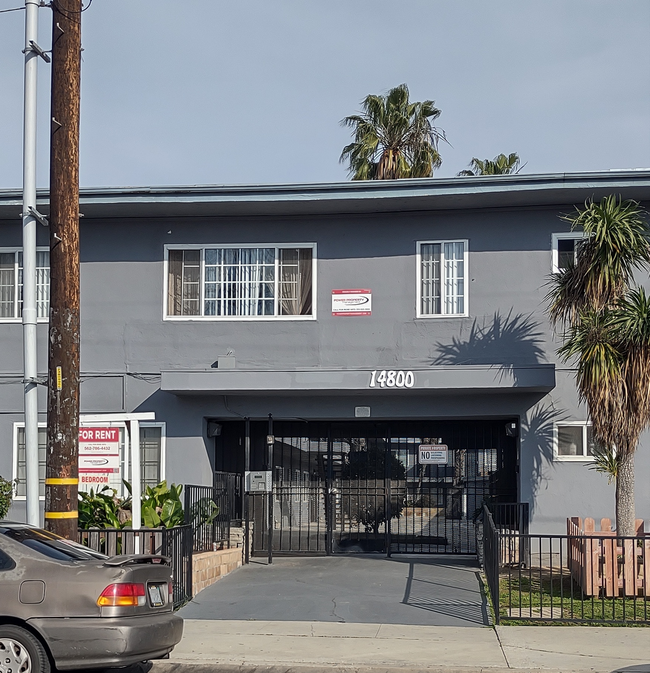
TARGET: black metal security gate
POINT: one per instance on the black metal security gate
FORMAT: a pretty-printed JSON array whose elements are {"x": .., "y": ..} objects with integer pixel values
[{"x": 359, "y": 487}]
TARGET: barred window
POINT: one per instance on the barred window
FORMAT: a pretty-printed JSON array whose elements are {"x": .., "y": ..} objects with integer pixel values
[
  {"x": 242, "y": 282},
  {"x": 11, "y": 284},
  {"x": 151, "y": 459},
  {"x": 442, "y": 278},
  {"x": 150, "y": 455},
  {"x": 21, "y": 474}
]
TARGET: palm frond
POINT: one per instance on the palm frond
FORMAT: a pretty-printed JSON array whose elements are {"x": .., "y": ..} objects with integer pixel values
[
  {"x": 592, "y": 345},
  {"x": 393, "y": 138},
  {"x": 617, "y": 243},
  {"x": 605, "y": 461},
  {"x": 500, "y": 165}
]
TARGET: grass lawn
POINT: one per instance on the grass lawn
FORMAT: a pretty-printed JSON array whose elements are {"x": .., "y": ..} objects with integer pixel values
[{"x": 536, "y": 594}]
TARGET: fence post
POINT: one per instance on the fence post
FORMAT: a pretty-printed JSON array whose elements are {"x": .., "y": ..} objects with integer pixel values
[
  {"x": 629, "y": 567},
  {"x": 491, "y": 560},
  {"x": 187, "y": 534}
]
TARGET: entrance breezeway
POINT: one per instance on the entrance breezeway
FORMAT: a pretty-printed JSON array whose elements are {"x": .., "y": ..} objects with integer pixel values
[{"x": 434, "y": 591}]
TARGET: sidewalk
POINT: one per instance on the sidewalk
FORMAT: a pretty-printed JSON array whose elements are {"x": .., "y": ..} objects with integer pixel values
[
  {"x": 226, "y": 646},
  {"x": 375, "y": 615}
]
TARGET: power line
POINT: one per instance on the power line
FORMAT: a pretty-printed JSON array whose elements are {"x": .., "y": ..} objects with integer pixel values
[
  {"x": 14, "y": 9},
  {"x": 67, "y": 12}
]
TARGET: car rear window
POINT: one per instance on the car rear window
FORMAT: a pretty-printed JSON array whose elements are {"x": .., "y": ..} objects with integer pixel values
[
  {"x": 51, "y": 545},
  {"x": 6, "y": 562}
]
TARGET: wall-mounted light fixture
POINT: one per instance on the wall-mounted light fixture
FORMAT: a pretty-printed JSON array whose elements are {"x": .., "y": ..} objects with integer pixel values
[
  {"x": 512, "y": 429},
  {"x": 214, "y": 429}
]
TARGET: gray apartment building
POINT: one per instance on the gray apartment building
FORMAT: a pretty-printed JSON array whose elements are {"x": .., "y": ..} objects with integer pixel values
[{"x": 381, "y": 348}]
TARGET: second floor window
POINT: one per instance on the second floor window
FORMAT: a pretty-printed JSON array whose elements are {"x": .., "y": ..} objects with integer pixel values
[
  {"x": 442, "y": 274},
  {"x": 11, "y": 284},
  {"x": 245, "y": 282},
  {"x": 565, "y": 250}
]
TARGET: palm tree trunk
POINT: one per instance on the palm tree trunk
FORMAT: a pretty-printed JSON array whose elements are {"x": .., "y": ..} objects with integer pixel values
[{"x": 625, "y": 496}]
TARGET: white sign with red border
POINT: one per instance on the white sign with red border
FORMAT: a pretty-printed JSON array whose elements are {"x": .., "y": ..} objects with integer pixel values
[
  {"x": 351, "y": 302},
  {"x": 99, "y": 452}
]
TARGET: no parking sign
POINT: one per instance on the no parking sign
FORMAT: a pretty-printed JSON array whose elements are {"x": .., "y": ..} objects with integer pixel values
[{"x": 433, "y": 454}]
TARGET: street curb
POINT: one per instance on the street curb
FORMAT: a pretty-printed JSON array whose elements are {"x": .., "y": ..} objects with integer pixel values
[{"x": 216, "y": 667}]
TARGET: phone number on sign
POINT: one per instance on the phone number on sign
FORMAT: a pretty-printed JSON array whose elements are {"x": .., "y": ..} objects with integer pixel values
[{"x": 390, "y": 378}]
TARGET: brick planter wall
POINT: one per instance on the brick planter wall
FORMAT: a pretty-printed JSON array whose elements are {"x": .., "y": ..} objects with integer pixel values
[{"x": 209, "y": 566}]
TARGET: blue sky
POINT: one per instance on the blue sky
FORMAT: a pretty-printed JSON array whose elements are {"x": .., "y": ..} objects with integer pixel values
[{"x": 212, "y": 92}]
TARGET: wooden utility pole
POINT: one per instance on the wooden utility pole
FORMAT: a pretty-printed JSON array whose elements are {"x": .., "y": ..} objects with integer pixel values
[{"x": 61, "y": 477}]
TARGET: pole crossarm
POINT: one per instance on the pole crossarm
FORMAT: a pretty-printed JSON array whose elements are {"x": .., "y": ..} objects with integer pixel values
[
  {"x": 41, "y": 219},
  {"x": 37, "y": 50},
  {"x": 38, "y": 380}
]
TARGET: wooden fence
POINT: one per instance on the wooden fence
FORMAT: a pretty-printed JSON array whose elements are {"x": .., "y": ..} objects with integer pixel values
[{"x": 604, "y": 564}]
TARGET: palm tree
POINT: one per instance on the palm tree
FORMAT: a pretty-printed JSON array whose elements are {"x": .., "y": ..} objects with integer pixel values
[
  {"x": 607, "y": 322},
  {"x": 393, "y": 138},
  {"x": 500, "y": 165}
]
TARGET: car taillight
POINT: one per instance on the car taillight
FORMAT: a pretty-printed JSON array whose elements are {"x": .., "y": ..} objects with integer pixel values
[
  {"x": 171, "y": 589},
  {"x": 122, "y": 594}
]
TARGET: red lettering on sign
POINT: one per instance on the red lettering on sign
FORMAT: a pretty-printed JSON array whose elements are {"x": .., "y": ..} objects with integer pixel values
[
  {"x": 99, "y": 434},
  {"x": 94, "y": 479}
]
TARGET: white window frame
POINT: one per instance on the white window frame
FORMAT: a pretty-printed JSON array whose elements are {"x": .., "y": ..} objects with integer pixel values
[
  {"x": 584, "y": 458},
  {"x": 14, "y": 462},
  {"x": 564, "y": 236},
  {"x": 418, "y": 261},
  {"x": 163, "y": 444},
  {"x": 231, "y": 318},
  {"x": 108, "y": 423},
  {"x": 14, "y": 250}
]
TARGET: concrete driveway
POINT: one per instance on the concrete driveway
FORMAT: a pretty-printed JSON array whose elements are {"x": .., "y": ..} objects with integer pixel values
[{"x": 358, "y": 589}]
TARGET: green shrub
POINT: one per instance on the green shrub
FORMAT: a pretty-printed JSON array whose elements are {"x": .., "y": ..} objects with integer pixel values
[
  {"x": 161, "y": 507},
  {"x": 204, "y": 511},
  {"x": 103, "y": 509},
  {"x": 6, "y": 495}
]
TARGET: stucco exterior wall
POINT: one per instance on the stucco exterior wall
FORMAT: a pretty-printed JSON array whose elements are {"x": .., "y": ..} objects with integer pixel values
[{"x": 126, "y": 342}]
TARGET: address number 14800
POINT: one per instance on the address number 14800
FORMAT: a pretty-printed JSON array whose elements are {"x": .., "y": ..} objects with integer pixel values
[{"x": 384, "y": 378}]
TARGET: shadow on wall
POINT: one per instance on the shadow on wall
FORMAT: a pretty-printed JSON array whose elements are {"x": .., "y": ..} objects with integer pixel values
[
  {"x": 509, "y": 341},
  {"x": 537, "y": 429},
  {"x": 505, "y": 341}
]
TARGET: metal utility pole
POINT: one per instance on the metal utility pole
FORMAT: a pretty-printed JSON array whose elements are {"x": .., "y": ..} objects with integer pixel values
[
  {"x": 30, "y": 216},
  {"x": 61, "y": 478}
]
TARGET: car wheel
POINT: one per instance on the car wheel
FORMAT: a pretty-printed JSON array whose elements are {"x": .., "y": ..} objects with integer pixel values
[{"x": 21, "y": 652}]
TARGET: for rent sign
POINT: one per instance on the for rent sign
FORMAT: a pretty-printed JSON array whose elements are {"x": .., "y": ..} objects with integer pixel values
[
  {"x": 98, "y": 439},
  {"x": 99, "y": 456}
]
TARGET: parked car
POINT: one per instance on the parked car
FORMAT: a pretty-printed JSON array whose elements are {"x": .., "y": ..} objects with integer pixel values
[{"x": 66, "y": 606}]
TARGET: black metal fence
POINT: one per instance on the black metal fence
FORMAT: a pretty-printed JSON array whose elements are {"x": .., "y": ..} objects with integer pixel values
[
  {"x": 358, "y": 486},
  {"x": 209, "y": 511},
  {"x": 511, "y": 516},
  {"x": 176, "y": 543},
  {"x": 491, "y": 555},
  {"x": 585, "y": 578}
]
